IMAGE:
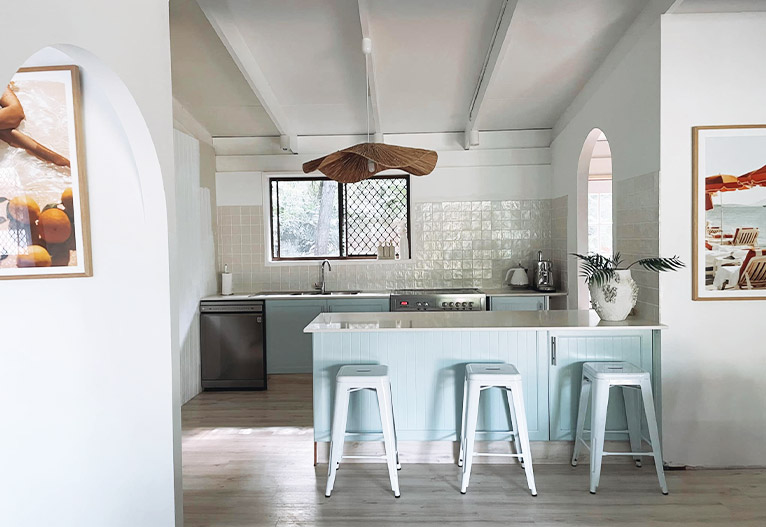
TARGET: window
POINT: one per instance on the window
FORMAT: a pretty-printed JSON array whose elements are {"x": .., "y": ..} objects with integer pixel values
[
  {"x": 317, "y": 217},
  {"x": 600, "y": 217}
]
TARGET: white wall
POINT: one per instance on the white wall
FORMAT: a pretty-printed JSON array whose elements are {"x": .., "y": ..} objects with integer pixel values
[
  {"x": 89, "y": 399},
  {"x": 506, "y": 165},
  {"x": 623, "y": 100},
  {"x": 714, "y": 357}
]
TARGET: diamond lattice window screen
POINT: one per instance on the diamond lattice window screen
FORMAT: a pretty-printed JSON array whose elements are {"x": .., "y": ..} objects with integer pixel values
[{"x": 375, "y": 209}]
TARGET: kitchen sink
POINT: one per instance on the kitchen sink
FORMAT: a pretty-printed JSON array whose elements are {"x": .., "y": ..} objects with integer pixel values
[{"x": 305, "y": 293}]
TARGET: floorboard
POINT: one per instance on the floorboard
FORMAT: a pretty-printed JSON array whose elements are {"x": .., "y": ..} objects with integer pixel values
[{"x": 248, "y": 461}]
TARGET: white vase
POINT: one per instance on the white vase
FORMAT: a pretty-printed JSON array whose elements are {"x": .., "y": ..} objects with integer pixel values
[{"x": 614, "y": 299}]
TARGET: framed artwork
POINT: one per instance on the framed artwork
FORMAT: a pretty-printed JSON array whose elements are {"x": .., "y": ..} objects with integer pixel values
[
  {"x": 44, "y": 229},
  {"x": 729, "y": 212}
]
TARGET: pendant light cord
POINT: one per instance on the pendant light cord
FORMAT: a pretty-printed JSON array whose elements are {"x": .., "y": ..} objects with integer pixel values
[{"x": 367, "y": 92}]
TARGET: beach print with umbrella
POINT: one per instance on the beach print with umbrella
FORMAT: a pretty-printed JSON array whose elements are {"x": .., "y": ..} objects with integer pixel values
[{"x": 730, "y": 261}]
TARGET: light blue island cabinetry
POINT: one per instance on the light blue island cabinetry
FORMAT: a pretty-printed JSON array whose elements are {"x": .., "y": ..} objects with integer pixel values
[
  {"x": 426, "y": 354},
  {"x": 288, "y": 348}
]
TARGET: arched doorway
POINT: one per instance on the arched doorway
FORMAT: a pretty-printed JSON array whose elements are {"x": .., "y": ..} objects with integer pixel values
[
  {"x": 594, "y": 203},
  {"x": 90, "y": 341}
]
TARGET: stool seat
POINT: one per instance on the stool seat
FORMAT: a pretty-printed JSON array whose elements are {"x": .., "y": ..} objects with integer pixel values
[
  {"x": 491, "y": 372},
  {"x": 479, "y": 377},
  {"x": 361, "y": 374},
  {"x": 597, "y": 379},
  {"x": 613, "y": 371}
]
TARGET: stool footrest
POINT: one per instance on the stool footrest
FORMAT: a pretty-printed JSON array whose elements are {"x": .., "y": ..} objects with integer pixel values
[
  {"x": 382, "y": 456},
  {"x": 492, "y": 454},
  {"x": 650, "y": 453}
]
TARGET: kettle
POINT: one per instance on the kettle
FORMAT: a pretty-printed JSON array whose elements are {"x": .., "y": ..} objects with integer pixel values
[{"x": 517, "y": 277}]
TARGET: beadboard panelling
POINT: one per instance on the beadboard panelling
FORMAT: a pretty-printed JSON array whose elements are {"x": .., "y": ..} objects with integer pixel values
[
  {"x": 427, "y": 371},
  {"x": 195, "y": 277}
]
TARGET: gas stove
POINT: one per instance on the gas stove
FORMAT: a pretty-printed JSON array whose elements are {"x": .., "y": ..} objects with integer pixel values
[{"x": 438, "y": 300}]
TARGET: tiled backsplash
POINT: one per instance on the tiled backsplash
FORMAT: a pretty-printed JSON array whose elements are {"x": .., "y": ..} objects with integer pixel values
[
  {"x": 454, "y": 244},
  {"x": 636, "y": 209}
]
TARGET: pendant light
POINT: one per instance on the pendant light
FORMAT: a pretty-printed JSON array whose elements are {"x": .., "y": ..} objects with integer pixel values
[{"x": 364, "y": 160}]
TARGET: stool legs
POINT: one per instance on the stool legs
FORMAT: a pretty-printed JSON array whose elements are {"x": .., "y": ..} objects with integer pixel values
[
  {"x": 461, "y": 454},
  {"x": 654, "y": 434},
  {"x": 514, "y": 423},
  {"x": 633, "y": 414},
  {"x": 472, "y": 415},
  {"x": 521, "y": 415},
  {"x": 597, "y": 431},
  {"x": 520, "y": 431},
  {"x": 340, "y": 415},
  {"x": 585, "y": 389},
  {"x": 389, "y": 438}
]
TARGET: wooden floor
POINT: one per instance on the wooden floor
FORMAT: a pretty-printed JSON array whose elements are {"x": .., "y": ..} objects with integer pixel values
[{"x": 248, "y": 461}]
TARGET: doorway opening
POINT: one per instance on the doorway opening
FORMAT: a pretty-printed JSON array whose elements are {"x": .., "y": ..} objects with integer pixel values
[{"x": 600, "y": 239}]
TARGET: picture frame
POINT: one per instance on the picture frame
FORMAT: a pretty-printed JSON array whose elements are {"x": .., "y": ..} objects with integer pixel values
[
  {"x": 729, "y": 212},
  {"x": 44, "y": 217}
]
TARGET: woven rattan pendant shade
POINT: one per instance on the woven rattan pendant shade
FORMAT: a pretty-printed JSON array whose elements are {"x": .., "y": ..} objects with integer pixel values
[{"x": 351, "y": 164}]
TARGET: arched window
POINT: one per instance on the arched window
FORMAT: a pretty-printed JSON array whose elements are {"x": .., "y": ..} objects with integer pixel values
[{"x": 600, "y": 198}]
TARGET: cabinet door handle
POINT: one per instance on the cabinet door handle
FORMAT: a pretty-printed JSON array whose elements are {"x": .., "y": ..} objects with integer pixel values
[{"x": 553, "y": 351}]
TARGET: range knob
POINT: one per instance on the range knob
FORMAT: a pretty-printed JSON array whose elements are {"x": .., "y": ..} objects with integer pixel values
[
  {"x": 451, "y": 304},
  {"x": 464, "y": 304},
  {"x": 420, "y": 304},
  {"x": 470, "y": 305},
  {"x": 444, "y": 304}
]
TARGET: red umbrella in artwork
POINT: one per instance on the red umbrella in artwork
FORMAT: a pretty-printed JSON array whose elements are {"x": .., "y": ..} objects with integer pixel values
[
  {"x": 756, "y": 178},
  {"x": 720, "y": 183}
]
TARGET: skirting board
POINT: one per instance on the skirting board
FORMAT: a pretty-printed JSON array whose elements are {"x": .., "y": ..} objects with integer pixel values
[{"x": 548, "y": 452}]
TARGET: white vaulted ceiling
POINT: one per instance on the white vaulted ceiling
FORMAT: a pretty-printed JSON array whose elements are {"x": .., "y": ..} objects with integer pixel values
[{"x": 302, "y": 61}]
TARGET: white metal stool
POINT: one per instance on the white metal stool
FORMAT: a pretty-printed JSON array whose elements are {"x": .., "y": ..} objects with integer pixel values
[
  {"x": 479, "y": 377},
  {"x": 352, "y": 379},
  {"x": 598, "y": 377}
]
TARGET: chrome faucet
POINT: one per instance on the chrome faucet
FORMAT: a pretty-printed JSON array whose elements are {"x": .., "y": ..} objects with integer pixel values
[{"x": 321, "y": 285}]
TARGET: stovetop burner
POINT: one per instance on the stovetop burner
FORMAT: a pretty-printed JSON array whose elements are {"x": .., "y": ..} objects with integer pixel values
[
  {"x": 446, "y": 291},
  {"x": 466, "y": 299}
]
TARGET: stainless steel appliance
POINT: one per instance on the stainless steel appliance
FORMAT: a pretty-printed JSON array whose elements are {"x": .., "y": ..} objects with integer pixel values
[
  {"x": 543, "y": 274},
  {"x": 232, "y": 342},
  {"x": 438, "y": 300}
]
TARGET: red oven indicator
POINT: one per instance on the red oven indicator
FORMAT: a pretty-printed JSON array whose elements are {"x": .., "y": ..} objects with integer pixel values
[{"x": 404, "y": 303}]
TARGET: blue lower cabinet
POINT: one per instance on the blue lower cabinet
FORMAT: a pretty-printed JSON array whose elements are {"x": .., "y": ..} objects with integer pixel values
[
  {"x": 288, "y": 348},
  {"x": 518, "y": 303},
  {"x": 572, "y": 349},
  {"x": 357, "y": 305}
]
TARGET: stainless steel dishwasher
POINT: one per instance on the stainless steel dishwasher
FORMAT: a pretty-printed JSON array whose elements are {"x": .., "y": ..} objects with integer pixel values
[{"x": 232, "y": 338}]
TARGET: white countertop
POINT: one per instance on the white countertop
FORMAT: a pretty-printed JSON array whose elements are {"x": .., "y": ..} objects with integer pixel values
[
  {"x": 474, "y": 321},
  {"x": 286, "y": 295},
  {"x": 507, "y": 291}
]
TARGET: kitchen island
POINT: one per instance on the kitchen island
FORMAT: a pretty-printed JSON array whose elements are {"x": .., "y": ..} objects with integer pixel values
[{"x": 426, "y": 355}]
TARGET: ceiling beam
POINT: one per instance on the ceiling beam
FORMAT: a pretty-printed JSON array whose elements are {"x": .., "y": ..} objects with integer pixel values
[
  {"x": 364, "y": 20},
  {"x": 497, "y": 48},
  {"x": 225, "y": 26},
  {"x": 673, "y": 8}
]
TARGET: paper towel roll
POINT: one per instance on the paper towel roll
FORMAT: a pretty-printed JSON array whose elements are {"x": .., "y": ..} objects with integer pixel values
[{"x": 226, "y": 284}]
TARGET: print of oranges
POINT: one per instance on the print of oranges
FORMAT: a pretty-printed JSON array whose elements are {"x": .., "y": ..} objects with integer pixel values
[
  {"x": 35, "y": 256},
  {"x": 24, "y": 210},
  {"x": 55, "y": 226},
  {"x": 44, "y": 237}
]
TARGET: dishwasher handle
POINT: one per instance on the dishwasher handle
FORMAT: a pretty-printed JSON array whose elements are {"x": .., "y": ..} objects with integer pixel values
[{"x": 230, "y": 307}]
